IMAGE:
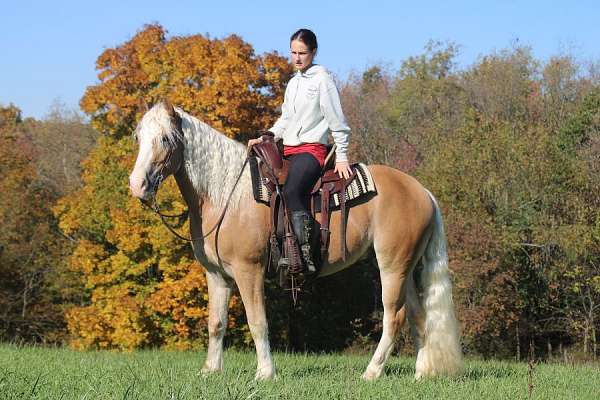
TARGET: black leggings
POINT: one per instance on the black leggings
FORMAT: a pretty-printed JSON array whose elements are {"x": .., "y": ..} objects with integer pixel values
[{"x": 304, "y": 171}]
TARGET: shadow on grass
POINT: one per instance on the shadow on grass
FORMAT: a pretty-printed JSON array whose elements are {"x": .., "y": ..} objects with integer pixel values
[
  {"x": 308, "y": 370},
  {"x": 400, "y": 370},
  {"x": 489, "y": 371},
  {"x": 471, "y": 372}
]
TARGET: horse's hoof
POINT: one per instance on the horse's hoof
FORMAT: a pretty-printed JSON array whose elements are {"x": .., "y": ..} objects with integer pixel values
[
  {"x": 262, "y": 375},
  {"x": 206, "y": 372},
  {"x": 370, "y": 376}
]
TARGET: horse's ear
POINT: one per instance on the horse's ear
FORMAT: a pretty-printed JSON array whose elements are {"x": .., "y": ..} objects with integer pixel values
[
  {"x": 169, "y": 107},
  {"x": 175, "y": 118},
  {"x": 142, "y": 105}
]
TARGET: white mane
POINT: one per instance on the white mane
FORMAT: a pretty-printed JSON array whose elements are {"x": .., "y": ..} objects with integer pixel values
[{"x": 213, "y": 162}]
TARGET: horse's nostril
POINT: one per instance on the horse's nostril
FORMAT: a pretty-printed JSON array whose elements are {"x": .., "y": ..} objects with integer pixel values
[
  {"x": 146, "y": 182},
  {"x": 137, "y": 185}
]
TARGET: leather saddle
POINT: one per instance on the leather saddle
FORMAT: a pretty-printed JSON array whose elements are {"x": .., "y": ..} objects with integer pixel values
[{"x": 273, "y": 170}]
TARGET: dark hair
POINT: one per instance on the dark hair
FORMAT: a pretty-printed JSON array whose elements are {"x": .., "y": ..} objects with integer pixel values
[{"x": 307, "y": 37}]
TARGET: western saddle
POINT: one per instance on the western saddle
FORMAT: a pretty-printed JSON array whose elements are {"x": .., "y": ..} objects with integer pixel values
[{"x": 273, "y": 169}]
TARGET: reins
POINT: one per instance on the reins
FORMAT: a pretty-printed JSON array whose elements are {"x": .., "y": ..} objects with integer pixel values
[{"x": 154, "y": 207}]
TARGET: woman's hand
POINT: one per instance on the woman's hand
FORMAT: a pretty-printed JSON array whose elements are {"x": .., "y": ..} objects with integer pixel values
[
  {"x": 343, "y": 169},
  {"x": 252, "y": 142}
]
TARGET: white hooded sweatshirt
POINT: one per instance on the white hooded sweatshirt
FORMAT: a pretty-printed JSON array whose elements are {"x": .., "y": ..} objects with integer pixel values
[{"x": 311, "y": 108}]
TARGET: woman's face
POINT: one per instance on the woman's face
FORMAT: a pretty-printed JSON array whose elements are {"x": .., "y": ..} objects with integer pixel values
[{"x": 302, "y": 57}]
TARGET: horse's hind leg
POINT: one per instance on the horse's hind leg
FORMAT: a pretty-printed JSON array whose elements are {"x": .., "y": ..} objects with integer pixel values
[
  {"x": 219, "y": 293},
  {"x": 392, "y": 295}
]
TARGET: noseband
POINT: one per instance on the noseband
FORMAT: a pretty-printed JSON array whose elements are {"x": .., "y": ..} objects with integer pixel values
[{"x": 153, "y": 205}]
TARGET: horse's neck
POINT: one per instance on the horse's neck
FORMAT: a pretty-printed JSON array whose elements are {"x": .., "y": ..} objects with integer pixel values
[{"x": 213, "y": 163}]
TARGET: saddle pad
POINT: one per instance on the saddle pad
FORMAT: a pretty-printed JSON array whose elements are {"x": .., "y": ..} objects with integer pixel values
[{"x": 361, "y": 185}]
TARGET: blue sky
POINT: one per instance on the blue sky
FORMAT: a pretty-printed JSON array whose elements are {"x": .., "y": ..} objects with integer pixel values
[{"x": 48, "y": 49}]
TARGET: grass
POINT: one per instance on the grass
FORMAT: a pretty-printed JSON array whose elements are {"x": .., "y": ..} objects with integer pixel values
[{"x": 41, "y": 373}]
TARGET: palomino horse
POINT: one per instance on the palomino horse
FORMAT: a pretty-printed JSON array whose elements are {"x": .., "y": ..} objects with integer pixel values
[{"x": 402, "y": 222}]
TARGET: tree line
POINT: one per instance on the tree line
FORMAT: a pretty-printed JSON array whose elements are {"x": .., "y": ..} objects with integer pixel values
[{"x": 510, "y": 146}]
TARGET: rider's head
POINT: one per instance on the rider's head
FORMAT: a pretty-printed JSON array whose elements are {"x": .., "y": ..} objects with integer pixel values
[{"x": 303, "y": 48}]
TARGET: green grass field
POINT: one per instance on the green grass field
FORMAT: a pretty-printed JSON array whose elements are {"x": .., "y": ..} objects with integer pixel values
[{"x": 38, "y": 373}]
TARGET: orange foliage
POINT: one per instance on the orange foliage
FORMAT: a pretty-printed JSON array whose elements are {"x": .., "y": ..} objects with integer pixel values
[
  {"x": 221, "y": 81},
  {"x": 145, "y": 289},
  {"x": 32, "y": 275}
]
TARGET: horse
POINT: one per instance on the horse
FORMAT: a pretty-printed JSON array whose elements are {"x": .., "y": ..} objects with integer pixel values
[{"x": 402, "y": 223}]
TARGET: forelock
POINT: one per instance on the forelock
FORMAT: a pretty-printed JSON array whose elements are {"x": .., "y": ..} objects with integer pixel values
[{"x": 158, "y": 124}]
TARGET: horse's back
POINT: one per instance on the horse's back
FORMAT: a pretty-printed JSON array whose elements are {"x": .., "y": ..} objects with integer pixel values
[
  {"x": 396, "y": 218},
  {"x": 400, "y": 192}
]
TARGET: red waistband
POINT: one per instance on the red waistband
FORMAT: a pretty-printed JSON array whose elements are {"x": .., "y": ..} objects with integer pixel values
[{"x": 318, "y": 150}]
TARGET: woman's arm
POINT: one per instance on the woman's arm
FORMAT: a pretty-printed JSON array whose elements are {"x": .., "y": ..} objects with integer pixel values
[{"x": 331, "y": 108}]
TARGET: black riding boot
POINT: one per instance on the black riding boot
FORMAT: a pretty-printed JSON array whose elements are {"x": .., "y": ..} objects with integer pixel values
[{"x": 302, "y": 223}]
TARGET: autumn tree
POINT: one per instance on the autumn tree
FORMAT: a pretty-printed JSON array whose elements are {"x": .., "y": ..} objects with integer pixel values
[
  {"x": 10, "y": 117},
  {"x": 34, "y": 283},
  {"x": 63, "y": 138},
  {"x": 143, "y": 287},
  {"x": 518, "y": 202},
  {"x": 509, "y": 147},
  {"x": 366, "y": 99},
  {"x": 221, "y": 82}
]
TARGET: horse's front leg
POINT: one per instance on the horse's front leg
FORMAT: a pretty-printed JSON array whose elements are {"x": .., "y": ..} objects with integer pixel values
[
  {"x": 219, "y": 292},
  {"x": 249, "y": 279}
]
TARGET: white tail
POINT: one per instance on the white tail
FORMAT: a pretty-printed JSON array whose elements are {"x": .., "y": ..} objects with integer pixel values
[{"x": 440, "y": 352}]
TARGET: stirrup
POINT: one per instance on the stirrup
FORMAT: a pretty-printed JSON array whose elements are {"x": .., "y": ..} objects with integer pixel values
[
  {"x": 309, "y": 264},
  {"x": 283, "y": 262}
]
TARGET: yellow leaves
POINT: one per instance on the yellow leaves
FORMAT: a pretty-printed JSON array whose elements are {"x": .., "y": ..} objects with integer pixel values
[
  {"x": 180, "y": 306},
  {"x": 86, "y": 257},
  {"x": 145, "y": 288},
  {"x": 88, "y": 324},
  {"x": 9, "y": 118},
  {"x": 108, "y": 324},
  {"x": 180, "y": 296}
]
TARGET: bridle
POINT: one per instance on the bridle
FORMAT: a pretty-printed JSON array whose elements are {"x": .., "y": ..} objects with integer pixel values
[{"x": 153, "y": 205}]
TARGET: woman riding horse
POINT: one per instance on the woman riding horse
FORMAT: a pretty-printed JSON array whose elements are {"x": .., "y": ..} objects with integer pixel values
[
  {"x": 230, "y": 231},
  {"x": 311, "y": 109}
]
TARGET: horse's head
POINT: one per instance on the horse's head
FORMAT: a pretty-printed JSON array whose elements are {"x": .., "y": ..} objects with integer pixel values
[{"x": 160, "y": 140}]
